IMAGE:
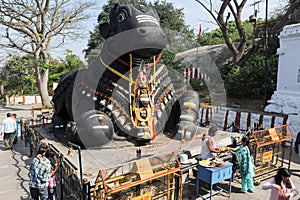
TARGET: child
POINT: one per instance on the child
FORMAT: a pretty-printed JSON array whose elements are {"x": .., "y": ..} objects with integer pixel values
[
  {"x": 52, "y": 195},
  {"x": 246, "y": 165}
]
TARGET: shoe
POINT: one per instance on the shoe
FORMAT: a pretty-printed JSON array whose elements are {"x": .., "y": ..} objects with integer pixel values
[
  {"x": 251, "y": 191},
  {"x": 243, "y": 191}
]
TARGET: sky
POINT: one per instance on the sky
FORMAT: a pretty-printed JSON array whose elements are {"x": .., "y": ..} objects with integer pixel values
[{"x": 194, "y": 16}]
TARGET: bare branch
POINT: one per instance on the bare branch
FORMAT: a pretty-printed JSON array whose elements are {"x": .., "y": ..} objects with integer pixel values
[
  {"x": 210, "y": 11},
  {"x": 222, "y": 18},
  {"x": 31, "y": 26},
  {"x": 13, "y": 44}
]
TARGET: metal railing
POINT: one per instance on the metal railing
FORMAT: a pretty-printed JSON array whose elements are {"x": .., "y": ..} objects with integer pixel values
[{"x": 69, "y": 185}]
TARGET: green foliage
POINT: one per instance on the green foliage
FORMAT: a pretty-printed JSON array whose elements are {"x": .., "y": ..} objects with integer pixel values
[
  {"x": 172, "y": 18},
  {"x": 198, "y": 84},
  {"x": 17, "y": 76},
  {"x": 18, "y": 73},
  {"x": 216, "y": 37},
  {"x": 59, "y": 68},
  {"x": 170, "y": 60},
  {"x": 248, "y": 81},
  {"x": 94, "y": 42}
]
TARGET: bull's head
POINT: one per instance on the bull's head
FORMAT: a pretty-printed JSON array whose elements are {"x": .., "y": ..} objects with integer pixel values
[{"x": 140, "y": 29}]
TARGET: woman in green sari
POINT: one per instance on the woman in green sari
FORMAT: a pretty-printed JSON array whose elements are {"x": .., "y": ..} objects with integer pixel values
[{"x": 246, "y": 165}]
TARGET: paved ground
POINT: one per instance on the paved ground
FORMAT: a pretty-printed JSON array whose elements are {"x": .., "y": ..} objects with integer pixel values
[{"x": 15, "y": 164}]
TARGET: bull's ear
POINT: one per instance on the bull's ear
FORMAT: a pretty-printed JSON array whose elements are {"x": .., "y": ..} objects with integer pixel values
[{"x": 104, "y": 30}]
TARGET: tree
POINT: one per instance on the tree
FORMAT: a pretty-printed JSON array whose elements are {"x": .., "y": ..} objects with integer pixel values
[
  {"x": 288, "y": 13},
  {"x": 30, "y": 26},
  {"x": 215, "y": 37},
  {"x": 247, "y": 81},
  {"x": 222, "y": 15},
  {"x": 58, "y": 68},
  {"x": 18, "y": 72},
  {"x": 17, "y": 75}
]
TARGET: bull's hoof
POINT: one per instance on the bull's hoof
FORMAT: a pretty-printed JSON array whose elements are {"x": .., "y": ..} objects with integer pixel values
[
  {"x": 185, "y": 131},
  {"x": 95, "y": 129}
]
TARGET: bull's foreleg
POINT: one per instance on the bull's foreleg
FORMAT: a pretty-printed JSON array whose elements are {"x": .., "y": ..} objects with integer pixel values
[{"x": 188, "y": 114}]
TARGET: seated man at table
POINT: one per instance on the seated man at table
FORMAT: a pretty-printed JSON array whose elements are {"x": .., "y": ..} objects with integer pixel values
[{"x": 208, "y": 148}]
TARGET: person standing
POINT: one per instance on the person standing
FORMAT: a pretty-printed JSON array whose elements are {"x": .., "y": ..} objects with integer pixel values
[
  {"x": 40, "y": 172},
  {"x": 208, "y": 147},
  {"x": 282, "y": 187},
  {"x": 245, "y": 160},
  {"x": 8, "y": 128},
  {"x": 17, "y": 128}
]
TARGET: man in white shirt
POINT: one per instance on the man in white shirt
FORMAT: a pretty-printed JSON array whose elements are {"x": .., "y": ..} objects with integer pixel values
[
  {"x": 208, "y": 148},
  {"x": 8, "y": 128}
]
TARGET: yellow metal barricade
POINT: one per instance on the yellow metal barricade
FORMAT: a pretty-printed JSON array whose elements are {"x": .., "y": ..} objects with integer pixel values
[
  {"x": 268, "y": 149},
  {"x": 157, "y": 177}
]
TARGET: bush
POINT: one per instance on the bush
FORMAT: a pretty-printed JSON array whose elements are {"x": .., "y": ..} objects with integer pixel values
[{"x": 248, "y": 81}]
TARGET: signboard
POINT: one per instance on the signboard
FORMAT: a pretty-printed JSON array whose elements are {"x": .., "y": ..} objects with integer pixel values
[
  {"x": 267, "y": 156},
  {"x": 144, "y": 168},
  {"x": 273, "y": 134}
]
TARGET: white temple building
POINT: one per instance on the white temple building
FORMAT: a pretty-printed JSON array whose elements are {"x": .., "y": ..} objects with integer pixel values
[{"x": 286, "y": 98}]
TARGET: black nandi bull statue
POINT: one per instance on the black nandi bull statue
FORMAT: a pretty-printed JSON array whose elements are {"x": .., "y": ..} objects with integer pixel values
[{"x": 127, "y": 90}]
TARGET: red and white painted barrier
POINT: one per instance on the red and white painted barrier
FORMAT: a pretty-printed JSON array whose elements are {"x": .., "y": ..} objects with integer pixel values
[
  {"x": 194, "y": 73},
  {"x": 38, "y": 121},
  {"x": 25, "y": 100},
  {"x": 246, "y": 120}
]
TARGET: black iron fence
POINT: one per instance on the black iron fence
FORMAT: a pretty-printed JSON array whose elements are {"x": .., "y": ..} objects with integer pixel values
[{"x": 69, "y": 185}]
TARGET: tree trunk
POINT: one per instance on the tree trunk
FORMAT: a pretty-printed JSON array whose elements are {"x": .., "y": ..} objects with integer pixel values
[
  {"x": 43, "y": 87},
  {"x": 42, "y": 79}
]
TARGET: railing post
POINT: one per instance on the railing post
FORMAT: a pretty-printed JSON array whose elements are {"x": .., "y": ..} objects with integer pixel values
[
  {"x": 21, "y": 128},
  {"x": 85, "y": 189},
  {"x": 75, "y": 146},
  {"x": 61, "y": 157},
  {"x": 26, "y": 136}
]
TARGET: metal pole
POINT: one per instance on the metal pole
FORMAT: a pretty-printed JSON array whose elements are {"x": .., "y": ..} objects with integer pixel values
[
  {"x": 21, "y": 128},
  {"x": 61, "y": 177},
  {"x": 80, "y": 163},
  {"x": 266, "y": 53},
  {"x": 26, "y": 134},
  {"x": 75, "y": 146}
]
